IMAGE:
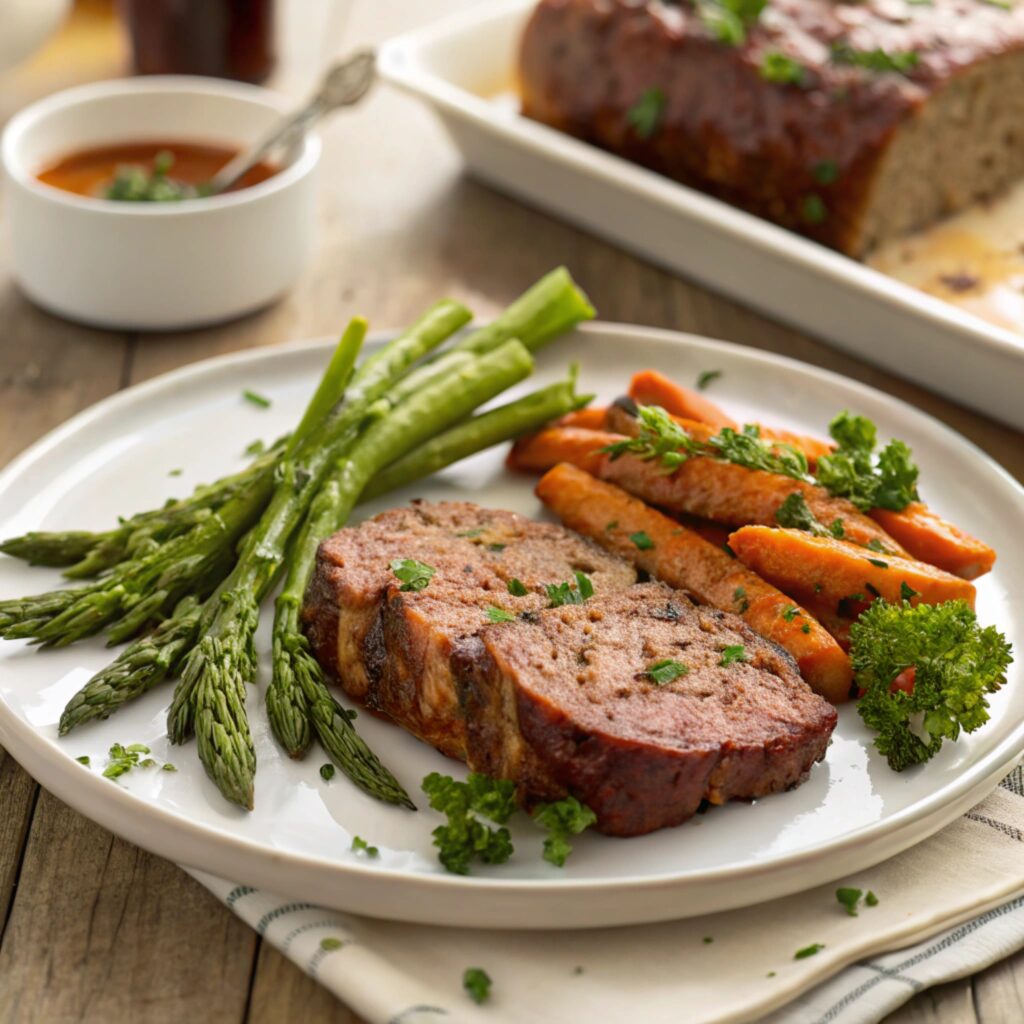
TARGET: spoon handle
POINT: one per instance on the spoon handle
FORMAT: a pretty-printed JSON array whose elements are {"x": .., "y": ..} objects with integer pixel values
[{"x": 344, "y": 84}]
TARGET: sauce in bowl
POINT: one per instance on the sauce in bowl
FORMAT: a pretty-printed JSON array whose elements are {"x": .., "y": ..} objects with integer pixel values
[{"x": 123, "y": 171}]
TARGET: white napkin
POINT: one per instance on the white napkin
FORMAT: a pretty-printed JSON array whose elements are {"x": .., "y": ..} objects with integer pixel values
[{"x": 951, "y": 906}]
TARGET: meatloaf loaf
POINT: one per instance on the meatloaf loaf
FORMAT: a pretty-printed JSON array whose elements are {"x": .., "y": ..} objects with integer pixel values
[
  {"x": 487, "y": 665},
  {"x": 850, "y": 122}
]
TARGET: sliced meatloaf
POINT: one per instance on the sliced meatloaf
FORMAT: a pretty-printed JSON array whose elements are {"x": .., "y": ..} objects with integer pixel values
[
  {"x": 852, "y": 122},
  {"x": 640, "y": 704},
  {"x": 390, "y": 648}
]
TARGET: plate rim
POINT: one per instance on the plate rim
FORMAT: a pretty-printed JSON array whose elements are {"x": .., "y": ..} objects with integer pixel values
[{"x": 203, "y": 844}]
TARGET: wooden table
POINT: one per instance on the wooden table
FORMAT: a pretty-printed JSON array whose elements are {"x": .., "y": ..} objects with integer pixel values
[{"x": 92, "y": 928}]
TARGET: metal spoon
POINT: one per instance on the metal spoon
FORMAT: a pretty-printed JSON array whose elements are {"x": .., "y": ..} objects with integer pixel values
[{"x": 344, "y": 84}]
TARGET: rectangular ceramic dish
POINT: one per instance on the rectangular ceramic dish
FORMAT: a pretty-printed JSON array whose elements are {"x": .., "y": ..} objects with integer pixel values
[{"x": 464, "y": 67}]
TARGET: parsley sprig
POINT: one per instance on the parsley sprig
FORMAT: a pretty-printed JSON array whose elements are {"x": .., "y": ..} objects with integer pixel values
[
  {"x": 728, "y": 20},
  {"x": 956, "y": 663},
  {"x": 469, "y": 805},
  {"x": 565, "y": 593},
  {"x": 664, "y": 440},
  {"x": 887, "y": 479},
  {"x": 563, "y": 819},
  {"x": 415, "y": 576}
]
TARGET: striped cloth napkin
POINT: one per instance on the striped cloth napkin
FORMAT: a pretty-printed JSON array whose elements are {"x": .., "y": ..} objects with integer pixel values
[{"x": 946, "y": 908}]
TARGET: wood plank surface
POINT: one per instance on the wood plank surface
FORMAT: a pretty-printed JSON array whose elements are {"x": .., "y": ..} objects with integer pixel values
[{"x": 92, "y": 927}]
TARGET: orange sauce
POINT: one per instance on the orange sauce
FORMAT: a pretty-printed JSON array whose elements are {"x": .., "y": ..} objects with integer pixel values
[{"x": 89, "y": 172}]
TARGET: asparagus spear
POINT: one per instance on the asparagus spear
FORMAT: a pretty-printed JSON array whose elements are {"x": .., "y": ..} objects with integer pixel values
[
  {"x": 504, "y": 423},
  {"x": 213, "y": 679},
  {"x": 553, "y": 305},
  {"x": 90, "y": 553},
  {"x": 210, "y": 696},
  {"x": 141, "y": 666},
  {"x": 137, "y": 592}
]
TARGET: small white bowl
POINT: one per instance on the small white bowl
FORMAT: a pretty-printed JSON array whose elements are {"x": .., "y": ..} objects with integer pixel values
[{"x": 155, "y": 266}]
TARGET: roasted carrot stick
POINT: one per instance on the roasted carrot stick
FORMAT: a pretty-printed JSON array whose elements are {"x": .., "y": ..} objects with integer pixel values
[
  {"x": 929, "y": 538},
  {"x": 806, "y": 567},
  {"x": 648, "y": 387},
  {"x": 705, "y": 487},
  {"x": 683, "y": 559},
  {"x": 591, "y": 418},
  {"x": 838, "y": 626}
]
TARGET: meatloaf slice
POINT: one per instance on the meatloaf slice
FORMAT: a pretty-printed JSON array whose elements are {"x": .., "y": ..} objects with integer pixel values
[
  {"x": 389, "y": 648},
  {"x": 563, "y": 701},
  {"x": 853, "y": 123}
]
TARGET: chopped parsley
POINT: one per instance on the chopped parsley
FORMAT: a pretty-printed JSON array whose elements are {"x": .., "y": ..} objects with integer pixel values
[
  {"x": 134, "y": 183},
  {"x": 496, "y": 614},
  {"x": 496, "y": 548},
  {"x": 663, "y": 439},
  {"x": 645, "y": 115},
  {"x": 805, "y": 628},
  {"x": 175, "y": 472},
  {"x": 562, "y": 819},
  {"x": 957, "y": 664},
  {"x": 415, "y": 576},
  {"x": 330, "y": 944},
  {"x": 256, "y": 447},
  {"x": 361, "y": 844},
  {"x": 327, "y": 771},
  {"x": 84, "y": 759},
  {"x": 790, "y": 612},
  {"x": 256, "y": 399},
  {"x": 477, "y": 983},
  {"x": 875, "y": 60},
  {"x": 777, "y": 67},
  {"x": 706, "y": 378},
  {"x": 849, "y": 898},
  {"x": 516, "y": 587},
  {"x": 907, "y": 592},
  {"x": 123, "y": 759},
  {"x": 812, "y": 950},
  {"x": 836, "y": 529},
  {"x": 736, "y": 652},
  {"x": 728, "y": 20},
  {"x": 871, "y": 899},
  {"x": 876, "y": 545},
  {"x": 641, "y": 540},
  {"x": 878, "y": 563},
  {"x": 566, "y": 593},
  {"x": 742, "y": 602},
  {"x": 825, "y": 172},
  {"x": 887, "y": 479},
  {"x": 707, "y": 940},
  {"x": 469, "y": 805},
  {"x": 665, "y": 671},
  {"x": 613, "y": 525},
  {"x": 813, "y": 209},
  {"x": 872, "y": 590}
]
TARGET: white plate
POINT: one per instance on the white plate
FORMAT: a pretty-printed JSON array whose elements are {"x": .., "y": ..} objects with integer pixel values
[
  {"x": 115, "y": 459},
  {"x": 465, "y": 68}
]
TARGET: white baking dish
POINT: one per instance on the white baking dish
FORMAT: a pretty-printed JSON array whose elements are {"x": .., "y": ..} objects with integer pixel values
[{"x": 465, "y": 66}]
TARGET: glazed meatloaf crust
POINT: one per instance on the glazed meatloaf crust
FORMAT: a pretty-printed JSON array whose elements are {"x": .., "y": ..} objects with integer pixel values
[
  {"x": 565, "y": 702},
  {"x": 850, "y": 122},
  {"x": 390, "y": 648},
  {"x": 560, "y": 698}
]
